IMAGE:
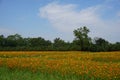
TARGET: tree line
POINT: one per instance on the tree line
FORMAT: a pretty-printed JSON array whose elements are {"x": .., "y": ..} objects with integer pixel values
[{"x": 82, "y": 42}]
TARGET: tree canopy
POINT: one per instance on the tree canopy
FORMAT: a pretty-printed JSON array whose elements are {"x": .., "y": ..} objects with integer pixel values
[
  {"x": 81, "y": 37},
  {"x": 82, "y": 42}
]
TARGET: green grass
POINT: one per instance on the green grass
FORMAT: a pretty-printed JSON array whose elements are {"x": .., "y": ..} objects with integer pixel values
[{"x": 15, "y": 74}]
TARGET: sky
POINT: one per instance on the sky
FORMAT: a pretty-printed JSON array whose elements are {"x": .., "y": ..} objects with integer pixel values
[{"x": 51, "y": 19}]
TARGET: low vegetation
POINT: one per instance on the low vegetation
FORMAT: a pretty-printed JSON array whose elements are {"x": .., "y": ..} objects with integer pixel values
[{"x": 55, "y": 65}]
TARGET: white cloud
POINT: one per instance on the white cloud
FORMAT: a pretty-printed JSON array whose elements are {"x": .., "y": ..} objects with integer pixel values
[{"x": 66, "y": 18}]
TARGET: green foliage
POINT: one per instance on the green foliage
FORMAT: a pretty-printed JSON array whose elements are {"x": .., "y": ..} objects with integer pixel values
[
  {"x": 82, "y": 42},
  {"x": 15, "y": 74},
  {"x": 100, "y": 44},
  {"x": 81, "y": 38}
]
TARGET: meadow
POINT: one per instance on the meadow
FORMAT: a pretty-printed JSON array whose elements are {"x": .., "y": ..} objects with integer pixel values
[{"x": 56, "y": 65}]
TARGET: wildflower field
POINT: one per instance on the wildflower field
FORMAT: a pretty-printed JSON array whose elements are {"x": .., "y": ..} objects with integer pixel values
[{"x": 53, "y": 65}]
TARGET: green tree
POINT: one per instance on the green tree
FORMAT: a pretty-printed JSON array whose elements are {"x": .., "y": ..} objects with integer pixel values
[
  {"x": 115, "y": 47},
  {"x": 101, "y": 44},
  {"x": 14, "y": 40},
  {"x": 59, "y": 44},
  {"x": 39, "y": 42},
  {"x": 2, "y": 41},
  {"x": 81, "y": 38}
]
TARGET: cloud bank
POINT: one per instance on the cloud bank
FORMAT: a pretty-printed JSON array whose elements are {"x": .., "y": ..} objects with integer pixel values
[{"x": 66, "y": 18}]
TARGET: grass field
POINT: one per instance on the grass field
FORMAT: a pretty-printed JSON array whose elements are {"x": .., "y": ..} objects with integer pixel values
[{"x": 59, "y": 65}]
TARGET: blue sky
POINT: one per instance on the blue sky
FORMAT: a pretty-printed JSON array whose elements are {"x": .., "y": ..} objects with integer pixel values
[{"x": 58, "y": 18}]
